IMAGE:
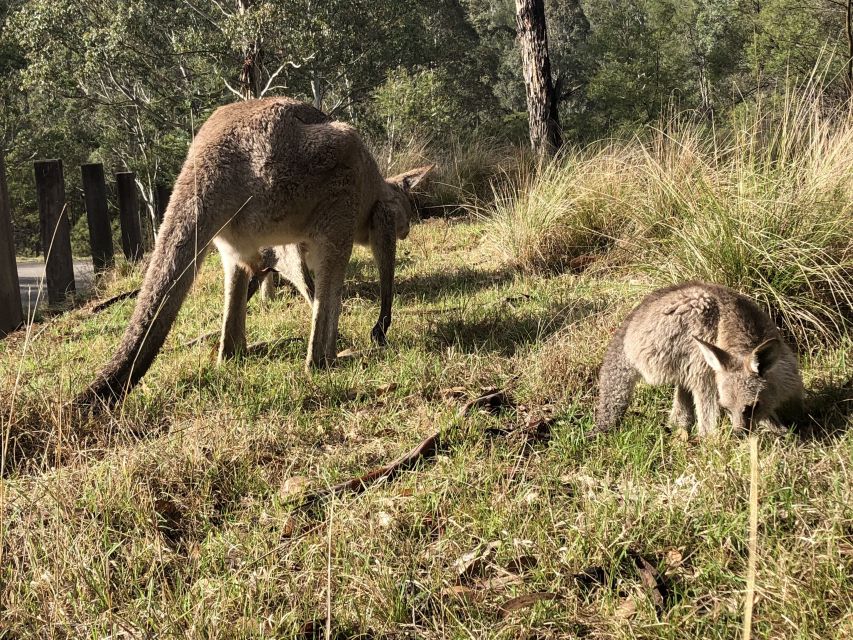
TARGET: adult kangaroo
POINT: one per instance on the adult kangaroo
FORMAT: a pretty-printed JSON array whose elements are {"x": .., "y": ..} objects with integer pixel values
[{"x": 262, "y": 173}]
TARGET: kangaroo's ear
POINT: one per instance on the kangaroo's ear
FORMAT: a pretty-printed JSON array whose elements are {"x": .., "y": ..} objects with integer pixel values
[
  {"x": 717, "y": 359},
  {"x": 410, "y": 179},
  {"x": 764, "y": 356}
]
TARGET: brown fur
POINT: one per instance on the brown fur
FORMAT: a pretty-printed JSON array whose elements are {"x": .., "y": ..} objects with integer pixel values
[{"x": 262, "y": 173}]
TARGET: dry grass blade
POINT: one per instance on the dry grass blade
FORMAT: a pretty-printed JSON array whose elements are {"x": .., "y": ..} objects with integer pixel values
[{"x": 753, "y": 537}]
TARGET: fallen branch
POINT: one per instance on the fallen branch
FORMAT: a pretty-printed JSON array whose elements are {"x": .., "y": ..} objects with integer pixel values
[
  {"x": 100, "y": 306},
  {"x": 427, "y": 448}
]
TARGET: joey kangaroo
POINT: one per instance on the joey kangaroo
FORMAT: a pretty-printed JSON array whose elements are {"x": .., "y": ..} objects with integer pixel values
[
  {"x": 262, "y": 173},
  {"x": 715, "y": 345},
  {"x": 287, "y": 261}
]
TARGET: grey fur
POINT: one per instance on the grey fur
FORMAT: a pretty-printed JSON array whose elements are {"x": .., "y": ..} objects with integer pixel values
[
  {"x": 715, "y": 345},
  {"x": 261, "y": 173}
]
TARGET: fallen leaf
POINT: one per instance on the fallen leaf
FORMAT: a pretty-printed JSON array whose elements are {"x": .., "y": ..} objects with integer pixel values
[
  {"x": 674, "y": 558},
  {"x": 627, "y": 609},
  {"x": 288, "y": 527},
  {"x": 386, "y": 389},
  {"x": 474, "y": 563},
  {"x": 649, "y": 576},
  {"x": 526, "y": 600},
  {"x": 293, "y": 486},
  {"x": 499, "y": 582}
]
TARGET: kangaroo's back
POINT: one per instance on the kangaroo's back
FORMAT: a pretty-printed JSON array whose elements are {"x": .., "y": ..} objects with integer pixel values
[{"x": 659, "y": 333}]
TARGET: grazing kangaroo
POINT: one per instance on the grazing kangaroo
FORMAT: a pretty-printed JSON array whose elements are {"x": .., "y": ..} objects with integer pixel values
[
  {"x": 715, "y": 345},
  {"x": 264, "y": 173}
]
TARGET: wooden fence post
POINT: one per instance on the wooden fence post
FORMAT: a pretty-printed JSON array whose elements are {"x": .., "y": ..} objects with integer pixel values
[
  {"x": 128, "y": 206},
  {"x": 164, "y": 193},
  {"x": 11, "y": 313},
  {"x": 97, "y": 215},
  {"x": 55, "y": 230}
]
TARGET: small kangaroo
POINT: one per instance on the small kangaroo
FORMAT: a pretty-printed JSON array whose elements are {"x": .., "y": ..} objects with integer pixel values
[
  {"x": 266, "y": 173},
  {"x": 287, "y": 261},
  {"x": 715, "y": 345}
]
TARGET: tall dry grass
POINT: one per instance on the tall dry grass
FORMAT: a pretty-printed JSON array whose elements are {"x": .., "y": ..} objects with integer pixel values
[{"x": 763, "y": 207}]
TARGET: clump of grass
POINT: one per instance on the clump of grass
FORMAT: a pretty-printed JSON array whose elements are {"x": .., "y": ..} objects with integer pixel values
[
  {"x": 763, "y": 207},
  {"x": 547, "y": 215},
  {"x": 769, "y": 215},
  {"x": 465, "y": 173}
]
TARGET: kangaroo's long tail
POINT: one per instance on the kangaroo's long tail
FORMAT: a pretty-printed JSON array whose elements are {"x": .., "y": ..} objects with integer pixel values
[
  {"x": 181, "y": 245},
  {"x": 616, "y": 382}
]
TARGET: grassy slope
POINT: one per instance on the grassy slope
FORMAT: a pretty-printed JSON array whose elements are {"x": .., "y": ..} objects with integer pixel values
[{"x": 176, "y": 516}]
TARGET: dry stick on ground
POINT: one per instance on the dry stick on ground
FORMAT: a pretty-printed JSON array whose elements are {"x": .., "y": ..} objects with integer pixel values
[
  {"x": 427, "y": 448},
  {"x": 100, "y": 306}
]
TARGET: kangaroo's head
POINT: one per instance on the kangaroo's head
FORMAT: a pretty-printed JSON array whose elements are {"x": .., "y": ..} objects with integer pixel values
[
  {"x": 742, "y": 384},
  {"x": 402, "y": 188}
]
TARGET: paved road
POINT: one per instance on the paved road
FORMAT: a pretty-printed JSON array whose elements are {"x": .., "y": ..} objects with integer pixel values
[{"x": 31, "y": 281}]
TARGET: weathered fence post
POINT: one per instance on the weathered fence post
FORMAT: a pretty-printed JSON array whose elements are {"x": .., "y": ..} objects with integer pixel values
[
  {"x": 55, "y": 230},
  {"x": 128, "y": 206},
  {"x": 162, "y": 201},
  {"x": 97, "y": 215},
  {"x": 11, "y": 313}
]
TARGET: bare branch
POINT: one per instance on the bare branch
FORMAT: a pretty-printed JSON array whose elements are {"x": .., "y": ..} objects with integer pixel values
[
  {"x": 273, "y": 77},
  {"x": 233, "y": 90}
]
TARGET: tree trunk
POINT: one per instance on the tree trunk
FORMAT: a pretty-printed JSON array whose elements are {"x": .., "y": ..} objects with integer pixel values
[
  {"x": 545, "y": 135},
  {"x": 253, "y": 54}
]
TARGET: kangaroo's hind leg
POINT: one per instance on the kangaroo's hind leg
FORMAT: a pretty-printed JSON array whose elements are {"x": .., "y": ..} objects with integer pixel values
[
  {"x": 233, "y": 340},
  {"x": 616, "y": 382},
  {"x": 330, "y": 261}
]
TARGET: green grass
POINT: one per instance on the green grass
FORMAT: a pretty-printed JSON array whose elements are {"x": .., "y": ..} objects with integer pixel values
[{"x": 174, "y": 518}]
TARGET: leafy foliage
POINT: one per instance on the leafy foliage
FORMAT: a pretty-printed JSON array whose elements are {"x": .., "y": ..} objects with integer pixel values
[{"x": 126, "y": 82}]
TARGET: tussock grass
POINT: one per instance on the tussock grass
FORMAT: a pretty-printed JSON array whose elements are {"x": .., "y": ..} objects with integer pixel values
[
  {"x": 467, "y": 170},
  {"x": 763, "y": 207}
]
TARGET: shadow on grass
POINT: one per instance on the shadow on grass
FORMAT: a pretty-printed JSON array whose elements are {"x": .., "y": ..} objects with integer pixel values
[
  {"x": 362, "y": 281},
  {"x": 503, "y": 329},
  {"x": 828, "y": 410}
]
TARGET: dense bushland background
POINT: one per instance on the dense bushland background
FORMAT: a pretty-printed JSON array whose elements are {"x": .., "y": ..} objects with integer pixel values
[{"x": 126, "y": 82}]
